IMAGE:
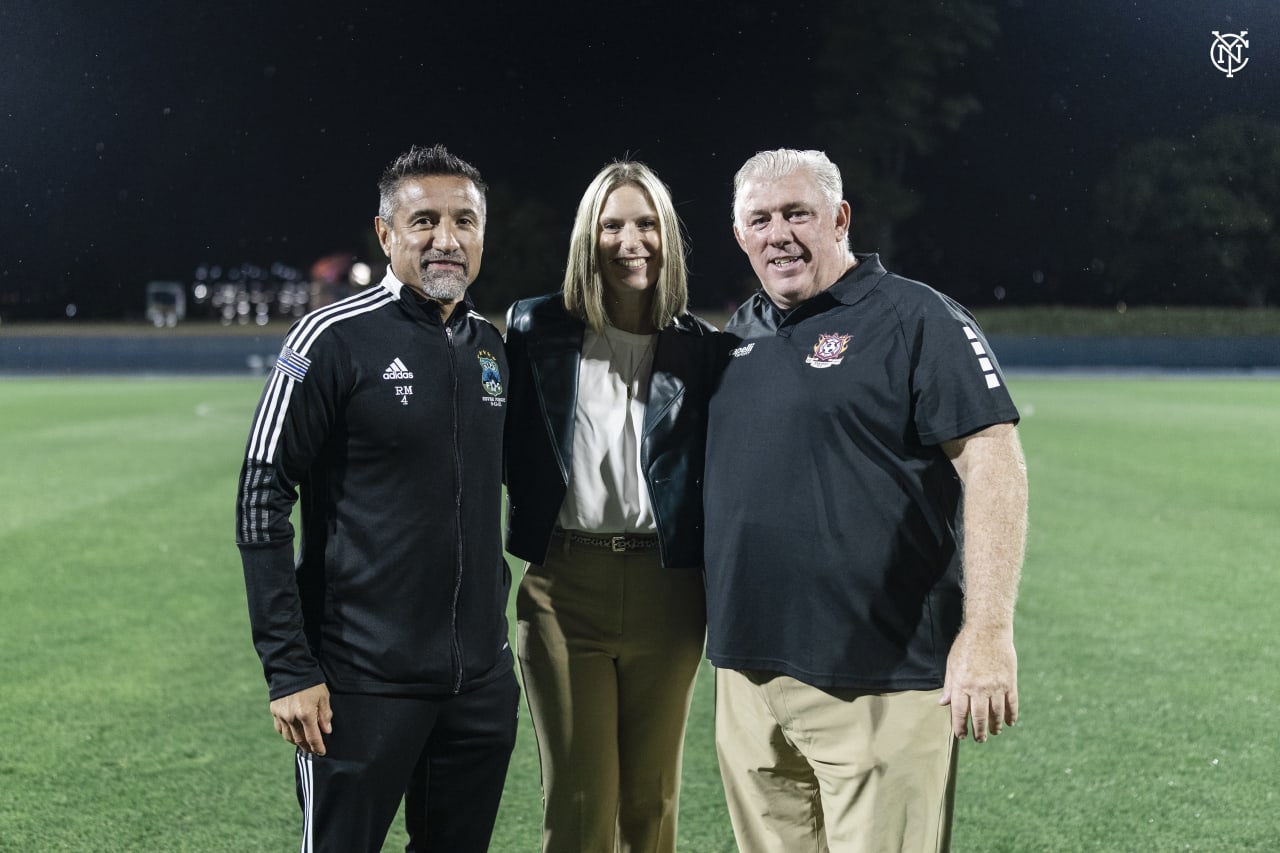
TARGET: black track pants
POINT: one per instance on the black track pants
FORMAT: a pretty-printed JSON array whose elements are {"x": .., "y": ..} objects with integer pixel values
[{"x": 447, "y": 757}]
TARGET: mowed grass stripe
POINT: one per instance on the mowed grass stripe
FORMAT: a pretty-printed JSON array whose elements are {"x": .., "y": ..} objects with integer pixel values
[{"x": 133, "y": 712}]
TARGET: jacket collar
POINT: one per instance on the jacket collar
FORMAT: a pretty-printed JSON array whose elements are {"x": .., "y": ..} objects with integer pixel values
[
  {"x": 555, "y": 354},
  {"x": 407, "y": 297}
]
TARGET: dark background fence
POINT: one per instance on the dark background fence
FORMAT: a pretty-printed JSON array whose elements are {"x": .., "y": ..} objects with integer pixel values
[{"x": 247, "y": 354}]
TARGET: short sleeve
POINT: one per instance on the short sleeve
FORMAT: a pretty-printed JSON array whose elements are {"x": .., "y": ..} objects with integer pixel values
[{"x": 957, "y": 385}]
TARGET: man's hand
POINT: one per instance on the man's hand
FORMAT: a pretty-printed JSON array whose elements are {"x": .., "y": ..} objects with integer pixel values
[
  {"x": 301, "y": 717},
  {"x": 981, "y": 682}
]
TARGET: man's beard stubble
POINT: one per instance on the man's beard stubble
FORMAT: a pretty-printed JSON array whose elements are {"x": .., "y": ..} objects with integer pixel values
[{"x": 445, "y": 285}]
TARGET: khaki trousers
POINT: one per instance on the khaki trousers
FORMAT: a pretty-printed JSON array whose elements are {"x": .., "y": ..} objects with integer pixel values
[
  {"x": 812, "y": 769},
  {"x": 609, "y": 645}
]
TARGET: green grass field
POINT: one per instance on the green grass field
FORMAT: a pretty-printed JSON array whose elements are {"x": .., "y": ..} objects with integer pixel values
[{"x": 133, "y": 715}]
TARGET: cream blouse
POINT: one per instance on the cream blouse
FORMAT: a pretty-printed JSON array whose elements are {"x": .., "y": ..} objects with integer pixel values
[{"x": 607, "y": 493}]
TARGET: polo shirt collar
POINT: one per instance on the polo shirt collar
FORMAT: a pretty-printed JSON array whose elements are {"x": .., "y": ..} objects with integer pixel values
[
  {"x": 859, "y": 281},
  {"x": 848, "y": 289}
]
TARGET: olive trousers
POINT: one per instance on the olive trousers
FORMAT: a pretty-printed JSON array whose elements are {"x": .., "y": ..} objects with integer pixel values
[{"x": 609, "y": 646}]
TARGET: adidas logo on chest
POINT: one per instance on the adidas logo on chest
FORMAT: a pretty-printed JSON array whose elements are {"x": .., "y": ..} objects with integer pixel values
[{"x": 397, "y": 370}]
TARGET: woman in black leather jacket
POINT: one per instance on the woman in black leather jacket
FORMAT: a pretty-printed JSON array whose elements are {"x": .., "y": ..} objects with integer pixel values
[{"x": 604, "y": 454}]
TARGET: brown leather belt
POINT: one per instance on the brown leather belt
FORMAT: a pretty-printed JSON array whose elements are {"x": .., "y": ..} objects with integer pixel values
[{"x": 618, "y": 543}]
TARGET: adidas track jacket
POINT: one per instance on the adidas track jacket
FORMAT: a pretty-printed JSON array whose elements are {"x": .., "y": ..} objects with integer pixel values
[{"x": 388, "y": 425}]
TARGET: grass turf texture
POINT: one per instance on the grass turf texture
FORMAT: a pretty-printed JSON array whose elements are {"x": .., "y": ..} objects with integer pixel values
[{"x": 133, "y": 713}]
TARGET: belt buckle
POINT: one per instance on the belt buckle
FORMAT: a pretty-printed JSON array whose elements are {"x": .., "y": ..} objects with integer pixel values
[{"x": 618, "y": 544}]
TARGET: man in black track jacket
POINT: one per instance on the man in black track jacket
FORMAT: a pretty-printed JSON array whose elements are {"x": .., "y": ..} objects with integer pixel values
[{"x": 384, "y": 643}]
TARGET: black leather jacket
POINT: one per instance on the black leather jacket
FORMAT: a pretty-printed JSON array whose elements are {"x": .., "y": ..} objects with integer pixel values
[{"x": 544, "y": 348}]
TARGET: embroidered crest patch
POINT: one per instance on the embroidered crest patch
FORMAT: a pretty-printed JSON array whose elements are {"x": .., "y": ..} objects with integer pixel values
[
  {"x": 490, "y": 377},
  {"x": 829, "y": 350}
]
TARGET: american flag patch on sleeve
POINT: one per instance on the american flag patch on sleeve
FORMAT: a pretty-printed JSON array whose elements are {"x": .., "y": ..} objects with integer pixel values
[{"x": 292, "y": 365}]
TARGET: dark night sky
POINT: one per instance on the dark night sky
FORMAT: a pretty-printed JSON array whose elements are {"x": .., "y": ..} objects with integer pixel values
[{"x": 137, "y": 143}]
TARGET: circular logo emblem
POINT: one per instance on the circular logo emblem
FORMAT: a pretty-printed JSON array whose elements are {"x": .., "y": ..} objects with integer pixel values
[
  {"x": 829, "y": 350},
  {"x": 1227, "y": 52}
]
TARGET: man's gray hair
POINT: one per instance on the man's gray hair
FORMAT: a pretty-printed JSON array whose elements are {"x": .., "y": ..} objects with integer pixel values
[{"x": 772, "y": 165}]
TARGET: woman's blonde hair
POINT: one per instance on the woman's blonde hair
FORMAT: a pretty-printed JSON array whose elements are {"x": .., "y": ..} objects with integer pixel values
[{"x": 583, "y": 281}]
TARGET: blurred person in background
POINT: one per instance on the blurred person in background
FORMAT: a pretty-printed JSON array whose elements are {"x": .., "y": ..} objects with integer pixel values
[
  {"x": 604, "y": 454},
  {"x": 385, "y": 645}
]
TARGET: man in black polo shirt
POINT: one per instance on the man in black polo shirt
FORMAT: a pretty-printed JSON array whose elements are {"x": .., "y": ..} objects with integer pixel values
[{"x": 866, "y": 519}]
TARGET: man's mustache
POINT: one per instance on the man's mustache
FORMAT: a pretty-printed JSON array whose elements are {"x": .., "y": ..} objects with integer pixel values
[{"x": 449, "y": 257}]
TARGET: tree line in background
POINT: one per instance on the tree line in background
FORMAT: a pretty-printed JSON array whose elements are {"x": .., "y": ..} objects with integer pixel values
[
  {"x": 887, "y": 97},
  {"x": 1174, "y": 221},
  {"x": 1192, "y": 221}
]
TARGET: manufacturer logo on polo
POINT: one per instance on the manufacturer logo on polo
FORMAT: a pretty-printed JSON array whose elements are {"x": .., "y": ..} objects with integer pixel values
[
  {"x": 397, "y": 370},
  {"x": 829, "y": 350},
  {"x": 490, "y": 376}
]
